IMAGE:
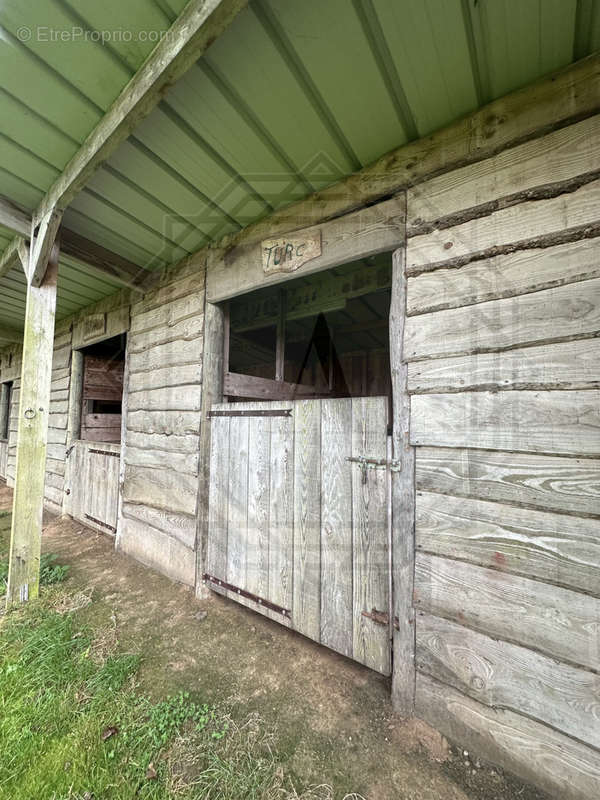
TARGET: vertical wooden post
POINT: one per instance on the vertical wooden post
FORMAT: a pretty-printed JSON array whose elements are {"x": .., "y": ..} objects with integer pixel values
[
  {"x": 213, "y": 363},
  {"x": 403, "y": 502},
  {"x": 73, "y": 427},
  {"x": 32, "y": 435}
]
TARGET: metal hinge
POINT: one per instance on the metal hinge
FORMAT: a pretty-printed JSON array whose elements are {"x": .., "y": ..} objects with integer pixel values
[
  {"x": 261, "y": 601},
  {"x": 251, "y": 412},
  {"x": 381, "y": 617}
]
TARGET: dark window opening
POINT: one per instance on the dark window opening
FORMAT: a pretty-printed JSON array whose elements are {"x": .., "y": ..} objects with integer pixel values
[
  {"x": 324, "y": 335},
  {"x": 5, "y": 404},
  {"x": 102, "y": 390}
]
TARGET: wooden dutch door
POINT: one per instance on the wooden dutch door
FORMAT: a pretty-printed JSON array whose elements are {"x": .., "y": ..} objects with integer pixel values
[{"x": 298, "y": 518}]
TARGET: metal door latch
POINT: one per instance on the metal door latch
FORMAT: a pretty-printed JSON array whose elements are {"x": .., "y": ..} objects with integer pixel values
[{"x": 394, "y": 464}]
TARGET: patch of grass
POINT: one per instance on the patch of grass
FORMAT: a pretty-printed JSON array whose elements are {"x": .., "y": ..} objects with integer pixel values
[
  {"x": 74, "y": 724},
  {"x": 50, "y": 571}
]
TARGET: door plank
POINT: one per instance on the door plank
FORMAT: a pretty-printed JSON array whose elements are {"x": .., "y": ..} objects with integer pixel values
[
  {"x": 257, "y": 541},
  {"x": 336, "y": 525},
  {"x": 218, "y": 494},
  {"x": 307, "y": 519},
  {"x": 237, "y": 522},
  {"x": 281, "y": 523},
  {"x": 371, "y": 642}
]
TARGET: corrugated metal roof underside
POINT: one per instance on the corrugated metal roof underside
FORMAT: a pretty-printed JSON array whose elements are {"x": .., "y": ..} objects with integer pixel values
[{"x": 292, "y": 98}]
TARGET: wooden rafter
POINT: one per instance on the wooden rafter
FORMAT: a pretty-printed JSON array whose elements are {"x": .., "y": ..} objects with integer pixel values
[
  {"x": 77, "y": 247},
  {"x": 14, "y": 218},
  {"x": 194, "y": 30}
]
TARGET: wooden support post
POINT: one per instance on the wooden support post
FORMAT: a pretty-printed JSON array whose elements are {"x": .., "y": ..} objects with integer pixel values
[
  {"x": 32, "y": 435},
  {"x": 216, "y": 339},
  {"x": 403, "y": 504}
]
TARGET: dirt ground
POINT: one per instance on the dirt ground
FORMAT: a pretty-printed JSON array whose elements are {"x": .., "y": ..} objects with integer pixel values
[{"x": 333, "y": 719}]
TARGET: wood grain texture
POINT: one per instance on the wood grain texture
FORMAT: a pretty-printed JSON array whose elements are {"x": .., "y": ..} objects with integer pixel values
[
  {"x": 216, "y": 556},
  {"x": 370, "y": 567},
  {"x": 307, "y": 519},
  {"x": 403, "y": 502},
  {"x": 237, "y": 497},
  {"x": 559, "y": 622},
  {"x": 508, "y": 226},
  {"x": 551, "y": 314},
  {"x": 180, "y": 526},
  {"x": 337, "y": 616},
  {"x": 564, "y": 154},
  {"x": 552, "y": 547},
  {"x": 212, "y": 379},
  {"x": 563, "y": 365},
  {"x": 545, "y": 422},
  {"x": 547, "y": 482},
  {"x": 259, "y": 528},
  {"x": 281, "y": 518},
  {"x": 503, "y": 675},
  {"x": 371, "y": 230},
  {"x": 173, "y": 354},
  {"x": 170, "y": 491},
  {"x": 32, "y": 437},
  {"x": 504, "y": 275},
  {"x": 533, "y": 751}
]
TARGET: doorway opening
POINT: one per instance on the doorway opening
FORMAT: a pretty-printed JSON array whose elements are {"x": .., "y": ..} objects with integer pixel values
[
  {"x": 321, "y": 336},
  {"x": 102, "y": 390}
]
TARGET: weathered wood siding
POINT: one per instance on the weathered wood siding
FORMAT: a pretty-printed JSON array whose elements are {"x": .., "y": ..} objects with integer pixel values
[
  {"x": 162, "y": 412},
  {"x": 10, "y": 370},
  {"x": 504, "y": 373}
]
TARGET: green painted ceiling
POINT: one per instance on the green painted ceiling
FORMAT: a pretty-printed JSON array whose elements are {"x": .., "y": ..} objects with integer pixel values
[{"x": 294, "y": 96}]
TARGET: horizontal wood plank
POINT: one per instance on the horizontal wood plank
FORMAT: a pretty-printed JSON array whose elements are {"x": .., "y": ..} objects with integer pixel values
[
  {"x": 504, "y": 275},
  {"x": 533, "y": 751},
  {"x": 563, "y": 365},
  {"x": 503, "y": 675},
  {"x": 517, "y": 224},
  {"x": 180, "y": 423},
  {"x": 559, "y": 622},
  {"x": 562, "y": 422},
  {"x": 547, "y": 482},
  {"x": 371, "y": 230},
  {"x": 551, "y": 314},
  {"x": 553, "y": 547},
  {"x": 163, "y": 489},
  {"x": 562, "y": 155},
  {"x": 173, "y": 398}
]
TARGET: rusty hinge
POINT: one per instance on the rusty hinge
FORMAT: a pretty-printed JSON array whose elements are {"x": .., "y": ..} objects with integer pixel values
[
  {"x": 381, "y": 617},
  {"x": 99, "y": 522},
  {"x": 251, "y": 412},
  {"x": 248, "y": 595}
]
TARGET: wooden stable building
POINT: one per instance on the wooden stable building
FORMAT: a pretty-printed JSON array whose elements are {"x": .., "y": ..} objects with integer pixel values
[{"x": 369, "y": 410}]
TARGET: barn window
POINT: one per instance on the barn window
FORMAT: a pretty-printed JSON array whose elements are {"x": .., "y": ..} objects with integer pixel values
[
  {"x": 102, "y": 391},
  {"x": 324, "y": 335},
  {"x": 5, "y": 403}
]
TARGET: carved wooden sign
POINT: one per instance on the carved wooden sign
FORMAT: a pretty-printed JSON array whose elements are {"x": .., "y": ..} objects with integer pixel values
[
  {"x": 289, "y": 253},
  {"x": 94, "y": 325}
]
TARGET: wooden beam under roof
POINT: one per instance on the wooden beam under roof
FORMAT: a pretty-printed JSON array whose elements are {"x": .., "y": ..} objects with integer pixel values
[
  {"x": 194, "y": 30},
  {"x": 14, "y": 218},
  {"x": 84, "y": 251}
]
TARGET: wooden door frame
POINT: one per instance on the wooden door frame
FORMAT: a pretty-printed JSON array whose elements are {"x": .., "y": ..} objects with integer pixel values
[
  {"x": 403, "y": 503},
  {"x": 343, "y": 239}
]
